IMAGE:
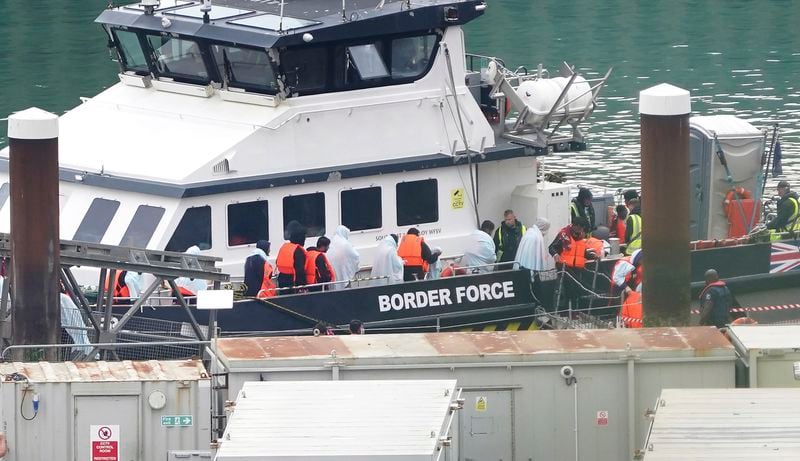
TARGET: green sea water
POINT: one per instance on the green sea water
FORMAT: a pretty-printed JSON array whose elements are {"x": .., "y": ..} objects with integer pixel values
[{"x": 735, "y": 56}]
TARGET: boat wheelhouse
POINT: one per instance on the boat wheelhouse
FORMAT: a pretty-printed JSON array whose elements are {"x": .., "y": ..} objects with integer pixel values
[{"x": 231, "y": 120}]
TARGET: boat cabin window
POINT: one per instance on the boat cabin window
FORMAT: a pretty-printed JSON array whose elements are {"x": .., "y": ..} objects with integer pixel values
[
  {"x": 411, "y": 55},
  {"x": 417, "y": 202},
  {"x": 142, "y": 226},
  {"x": 367, "y": 61},
  {"x": 4, "y": 191},
  {"x": 248, "y": 222},
  {"x": 361, "y": 208},
  {"x": 130, "y": 50},
  {"x": 305, "y": 68},
  {"x": 194, "y": 229},
  {"x": 96, "y": 221},
  {"x": 178, "y": 58},
  {"x": 245, "y": 68},
  {"x": 308, "y": 210}
]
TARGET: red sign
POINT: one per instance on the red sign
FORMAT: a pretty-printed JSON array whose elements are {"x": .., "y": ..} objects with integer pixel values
[
  {"x": 602, "y": 418},
  {"x": 105, "y": 443},
  {"x": 105, "y": 450}
]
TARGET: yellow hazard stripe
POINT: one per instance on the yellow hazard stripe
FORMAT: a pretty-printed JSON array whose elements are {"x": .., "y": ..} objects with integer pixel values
[
  {"x": 491, "y": 327},
  {"x": 512, "y": 326}
]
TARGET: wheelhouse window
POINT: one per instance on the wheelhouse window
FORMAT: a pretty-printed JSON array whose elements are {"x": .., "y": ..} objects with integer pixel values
[
  {"x": 130, "y": 50},
  {"x": 308, "y": 210},
  {"x": 245, "y": 68},
  {"x": 411, "y": 55},
  {"x": 417, "y": 202},
  {"x": 194, "y": 229},
  {"x": 96, "y": 221},
  {"x": 178, "y": 58},
  {"x": 247, "y": 222},
  {"x": 368, "y": 61},
  {"x": 306, "y": 69},
  {"x": 142, "y": 226},
  {"x": 361, "y": 208}
]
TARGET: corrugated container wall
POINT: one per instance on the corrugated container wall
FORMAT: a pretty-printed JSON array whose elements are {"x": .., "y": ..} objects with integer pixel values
[
  {"x": 84, "y": 402},
  {"x": 768, "y": 354},
  {"x": 518, "y": 404}
]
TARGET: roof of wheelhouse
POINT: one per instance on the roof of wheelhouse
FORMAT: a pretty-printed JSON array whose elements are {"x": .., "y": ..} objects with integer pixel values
[{"x": 251, "y": 22}]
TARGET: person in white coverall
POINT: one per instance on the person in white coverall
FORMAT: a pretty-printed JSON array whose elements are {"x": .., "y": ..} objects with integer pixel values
[
  {"x": 192, "y": 285},
  {"x": 387, "y": 263},
  {"x": 343, "y": 257},
  {"x": 480, "y": 249},
  {"x": 532, "y": 253}
]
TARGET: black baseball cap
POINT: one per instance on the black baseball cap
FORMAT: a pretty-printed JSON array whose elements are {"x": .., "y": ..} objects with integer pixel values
[{"x": 783, "y": 184}]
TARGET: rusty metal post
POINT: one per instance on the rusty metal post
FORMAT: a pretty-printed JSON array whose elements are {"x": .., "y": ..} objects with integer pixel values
[
  {"x": 35, "y": 244},
  {"x": 664, "y": 112}
]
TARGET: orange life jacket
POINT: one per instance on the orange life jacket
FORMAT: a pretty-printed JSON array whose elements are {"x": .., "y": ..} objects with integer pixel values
[
  {"x": 120, "y": 290},
  {"x": 311, "y": 266},
  {"x": 631, "y": 312},
  {"x": 574, "y": 254},
  {"x": 451, "y": 270},
  {"x": 285, "y": 259},
  {"x": 185, "y": 292},
  {"x": 595, "y": 245},
  {"x": 631, "y": 278},
  {"x": 267, "y": 285},
  {"x": 410, "y": 251},
  {"x": 619, "y": 227}
]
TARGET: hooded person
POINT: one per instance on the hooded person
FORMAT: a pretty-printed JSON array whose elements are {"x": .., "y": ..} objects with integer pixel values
[
  {"x": 532, "y": 252},
  {"x": 480, "y": 250},
  {"x": 343, "y": 257},
  {"x": 387, "y": 263},
  {"x": 581, "y": 206},
  {"x": 189, "y": 286},
  {"x": 291, "y": 260},
  {"x": 435, "y": 268},
  {"x": 257, "y": 270}
]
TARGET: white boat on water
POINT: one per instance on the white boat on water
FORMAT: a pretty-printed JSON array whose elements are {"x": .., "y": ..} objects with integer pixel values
[{"x": 231, "y": 120}]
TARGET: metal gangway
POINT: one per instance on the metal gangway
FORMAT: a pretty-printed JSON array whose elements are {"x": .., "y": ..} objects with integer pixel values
[{"x": 103, "y": 317}]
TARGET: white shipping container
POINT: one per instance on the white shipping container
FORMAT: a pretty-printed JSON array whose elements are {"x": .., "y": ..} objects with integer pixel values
[
  {"x": 768, "y": 354},
  {"x": 148, "y": 408},
  {"x": 340, "y": 421},
  {"x": 518, "y": 404}
]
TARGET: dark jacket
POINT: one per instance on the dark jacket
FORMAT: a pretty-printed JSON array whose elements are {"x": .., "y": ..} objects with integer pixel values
[
  {"x": 577, "y": 209},
  {"x": 785, "y": 211},
  {"x": 716, "y": 301},
  {"x": 253, "y": 274},
  {"x": 506, "y": 240}
]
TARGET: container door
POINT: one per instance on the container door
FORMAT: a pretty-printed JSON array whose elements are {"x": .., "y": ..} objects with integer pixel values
[
  {"x": 699, "y": 155},
  {"x": 107, "y": 411},
  {"x": 485, "y": 427}
]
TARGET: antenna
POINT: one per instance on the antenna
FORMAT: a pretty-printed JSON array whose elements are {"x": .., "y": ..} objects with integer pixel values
[
  {"x": 280, "y": 24},
  {"x": 344, "y": 15},
  {"x": 206, "y": 8},
  {"x": 149, "y": 6}
]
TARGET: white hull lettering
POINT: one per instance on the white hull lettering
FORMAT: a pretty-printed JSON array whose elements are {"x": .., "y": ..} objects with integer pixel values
[{"x": 442, "y": 297}]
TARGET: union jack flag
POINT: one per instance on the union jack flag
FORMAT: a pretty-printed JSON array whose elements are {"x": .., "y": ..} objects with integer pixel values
[{"x": 785, "y": 257}]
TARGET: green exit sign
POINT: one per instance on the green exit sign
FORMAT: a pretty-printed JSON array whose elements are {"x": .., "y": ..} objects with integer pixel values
[{"x": 176, "y": 420}]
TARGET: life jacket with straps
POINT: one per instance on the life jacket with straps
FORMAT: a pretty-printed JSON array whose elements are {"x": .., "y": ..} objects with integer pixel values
[
  {"x": 618, "y": 228},
  {"x": 267, "y": 289},
  {"x": 631, "y": 312},
  {"x": 410, "y": 251},
  {"x": 285, "y": 259},
  {"x": 718, "y": 283},
  {"x": 636, "y": 234},
  {"x": 451, "y": 270},
  {"x": 120, "y": 289},
  {"x": 312, "y": 274},
  {"x": 574, "y": 254},
  {"x": 596, "y": 245}
]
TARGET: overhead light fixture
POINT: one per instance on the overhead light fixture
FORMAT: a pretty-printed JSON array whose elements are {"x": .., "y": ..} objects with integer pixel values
[{"x": 451, "y": 14}]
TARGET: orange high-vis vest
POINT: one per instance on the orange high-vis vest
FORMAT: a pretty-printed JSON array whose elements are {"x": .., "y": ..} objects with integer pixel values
[
  {"x": 574, "y": 255},
  {"x": 267, "y": 285},
  {"x": 410, "y": 251},
  {"x": 631, "y": 312},
  {"x": 120, "y": 290},
  {"x": 620, "y": 228},
  {"x": 312, "y": 274},
  {"x": 285, "y": 259}
]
